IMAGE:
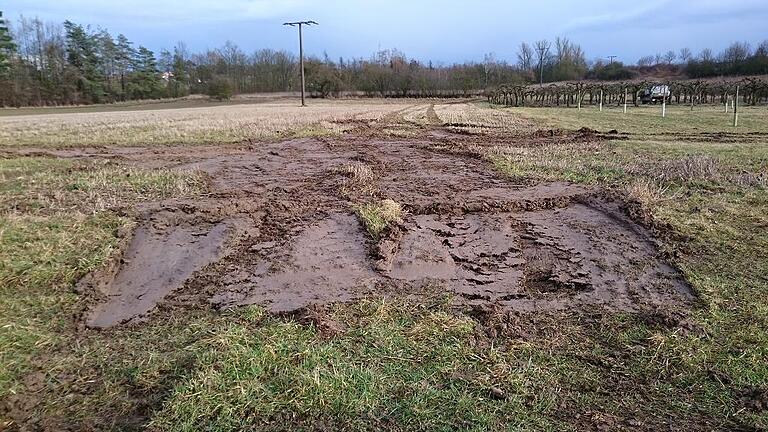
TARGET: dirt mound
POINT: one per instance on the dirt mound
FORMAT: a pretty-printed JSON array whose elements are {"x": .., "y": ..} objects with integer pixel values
[{"x": 278, "y": 229}]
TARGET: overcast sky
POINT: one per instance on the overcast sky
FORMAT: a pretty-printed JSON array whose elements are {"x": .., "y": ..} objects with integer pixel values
[{"x": 439, "y": 30}]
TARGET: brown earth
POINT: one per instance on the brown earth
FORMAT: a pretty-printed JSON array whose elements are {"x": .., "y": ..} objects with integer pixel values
[{"x": 277, "y": 228}]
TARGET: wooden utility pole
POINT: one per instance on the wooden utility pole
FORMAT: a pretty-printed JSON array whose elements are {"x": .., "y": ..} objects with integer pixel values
[{"x": 299, "y": 24}]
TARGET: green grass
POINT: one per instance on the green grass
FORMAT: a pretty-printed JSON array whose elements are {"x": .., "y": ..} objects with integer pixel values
[
  {"x": 646, "y": 120},
  {"x": 41, "y": 259},
  {"x": 395, "y": 366},
  {"x": 55, "y": 227}
]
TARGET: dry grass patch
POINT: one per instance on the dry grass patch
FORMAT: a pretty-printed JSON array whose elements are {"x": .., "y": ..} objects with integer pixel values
[
  {"x": 357, "y": 172},
  {"x": 358, "y": 179},
  {"x": 38, "y": 186},
  {"x": 216, "y": 124},
  {"x": 473, "y": 119},
  {"x": 690, "y": 168}
]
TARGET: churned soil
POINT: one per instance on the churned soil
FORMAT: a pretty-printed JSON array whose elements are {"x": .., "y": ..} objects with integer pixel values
[{"x": 278, "y": 228}]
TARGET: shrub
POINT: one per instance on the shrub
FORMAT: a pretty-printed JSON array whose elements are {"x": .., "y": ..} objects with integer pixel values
[{"x": 220, "y": 88}]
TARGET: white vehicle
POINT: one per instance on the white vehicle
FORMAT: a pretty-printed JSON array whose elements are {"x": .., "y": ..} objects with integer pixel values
[{"x": 655, "y": 94}]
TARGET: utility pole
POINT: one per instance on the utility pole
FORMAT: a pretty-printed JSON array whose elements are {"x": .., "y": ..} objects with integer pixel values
[
  {"x": 301, "y": 51},
  {"x": 612, "y": 58}
]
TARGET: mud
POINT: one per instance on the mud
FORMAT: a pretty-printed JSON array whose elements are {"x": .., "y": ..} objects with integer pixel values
[
  {"x": 277, "y": 228},
  {"x": 541, "y": 260},
  {"x": 325, "y": 263},
  {"x": 163, "y": 252}
]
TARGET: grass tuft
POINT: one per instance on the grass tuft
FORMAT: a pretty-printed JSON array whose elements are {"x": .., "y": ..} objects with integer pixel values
[{"x": 377, "y": 217}]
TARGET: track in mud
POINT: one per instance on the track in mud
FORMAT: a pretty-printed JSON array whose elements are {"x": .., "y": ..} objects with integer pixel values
[{"x": 278, "y": 229}]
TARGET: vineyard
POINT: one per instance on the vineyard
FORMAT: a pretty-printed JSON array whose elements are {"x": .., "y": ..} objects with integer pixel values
[{"x": 751, "y": 90}]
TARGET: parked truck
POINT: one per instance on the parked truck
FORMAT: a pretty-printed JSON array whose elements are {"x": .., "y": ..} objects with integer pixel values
[{"x": 655, "y": 94}]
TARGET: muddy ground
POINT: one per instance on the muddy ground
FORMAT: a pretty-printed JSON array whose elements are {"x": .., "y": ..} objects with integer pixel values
[{"x": 277, "y": 228}]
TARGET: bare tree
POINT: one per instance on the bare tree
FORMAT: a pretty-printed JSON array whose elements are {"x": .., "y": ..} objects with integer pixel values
[
  {"x": 525, "y": 57},
  {"x": 645, "y": 61},
  {"x": 542, "y": 51},
  {"x": 706, "y": 55},
  {"x": 658, "y": 58},
  {"x": 762, "y": 49},
  {"x": 685, "y": 55},
  {"x": 737, "y": 52},
  {"x": 489, "y": 63},
  {"x": 670, "y": 57}
]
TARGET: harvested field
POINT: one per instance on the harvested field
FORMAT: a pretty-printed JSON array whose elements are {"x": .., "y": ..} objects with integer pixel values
[{"x": 423, "y": 266}]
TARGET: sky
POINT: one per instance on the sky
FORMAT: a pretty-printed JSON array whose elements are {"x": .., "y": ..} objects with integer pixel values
[{"x": 444, "y": 31}]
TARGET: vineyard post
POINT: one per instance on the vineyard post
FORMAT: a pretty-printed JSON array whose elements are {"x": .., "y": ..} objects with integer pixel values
[
  {"x": 736, "y": 108},
  {"x": 663, "y": 107},
  {"x": 579, "y": 97},
  {"x": 625, "y": 100},
  {"x": 726, "y": 103},
  {"x": 601, "y": 100}
]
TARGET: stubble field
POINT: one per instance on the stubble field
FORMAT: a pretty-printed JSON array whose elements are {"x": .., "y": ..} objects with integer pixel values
[{"x": 408, "y": 265}]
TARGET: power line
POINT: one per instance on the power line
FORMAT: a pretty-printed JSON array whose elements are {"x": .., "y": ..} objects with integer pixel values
[{"x": 300, "y": 24}]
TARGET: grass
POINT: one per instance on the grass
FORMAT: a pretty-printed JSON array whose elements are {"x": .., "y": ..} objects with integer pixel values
[
  {"x": 41, "y": 259},
  {"x": 378, "y": 216},
  {"x": 397, "y": 364},
  {"x": 52, "y": 186},
  {"x": 219, "y": 124},
  {"x": 55, "y": 226}
]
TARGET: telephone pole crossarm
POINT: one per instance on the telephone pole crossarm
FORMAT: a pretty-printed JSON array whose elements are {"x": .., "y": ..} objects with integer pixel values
[{"x": 300, "y": 24}]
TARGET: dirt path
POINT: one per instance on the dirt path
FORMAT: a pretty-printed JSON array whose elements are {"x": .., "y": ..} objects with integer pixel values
[{"x": 278, "y": 229}]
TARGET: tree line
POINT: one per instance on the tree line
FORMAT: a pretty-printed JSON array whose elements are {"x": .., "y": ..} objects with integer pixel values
[
  {"x": 44, "y": 63},
  {"x": 737, "y": 59},
  {"x": 751, "y": 91}
]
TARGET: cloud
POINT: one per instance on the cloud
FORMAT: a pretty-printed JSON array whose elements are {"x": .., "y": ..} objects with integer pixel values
[
  {"x": 158, "y": 12},
  {"x": 671, "y": 14},
  {"x": 618, "y": 16}
]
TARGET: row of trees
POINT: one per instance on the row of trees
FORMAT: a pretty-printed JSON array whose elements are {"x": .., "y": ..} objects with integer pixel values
[
  {"x": 68, "y": 64},
  {"x": 51, "y": 64},
  {"x": 752, "y": 91}
]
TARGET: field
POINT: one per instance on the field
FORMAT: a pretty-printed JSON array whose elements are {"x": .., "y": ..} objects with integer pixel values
[{"x": 383, "y": 264}]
